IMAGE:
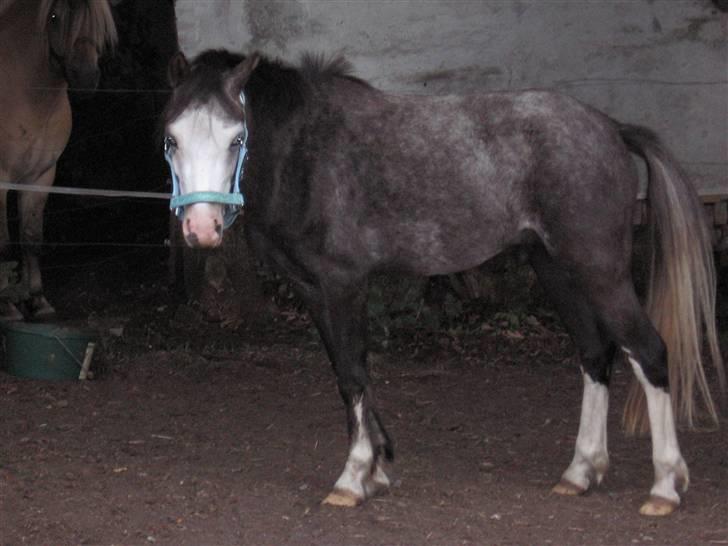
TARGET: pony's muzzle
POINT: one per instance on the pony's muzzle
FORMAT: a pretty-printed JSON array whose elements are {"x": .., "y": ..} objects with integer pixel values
[{"x": 202, "y": 225}]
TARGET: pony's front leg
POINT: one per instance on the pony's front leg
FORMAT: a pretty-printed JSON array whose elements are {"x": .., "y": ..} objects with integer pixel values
[
  {"x": 340, "y": 314},
  {"x": 31, "y": 206},
  {"x": 364, "y": 474}
]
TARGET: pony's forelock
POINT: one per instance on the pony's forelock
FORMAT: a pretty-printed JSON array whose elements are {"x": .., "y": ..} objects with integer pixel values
[{"x": 204, "y": 84}]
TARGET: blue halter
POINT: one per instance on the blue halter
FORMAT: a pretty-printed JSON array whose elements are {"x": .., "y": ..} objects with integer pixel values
[{"x": 233, "y": 201}]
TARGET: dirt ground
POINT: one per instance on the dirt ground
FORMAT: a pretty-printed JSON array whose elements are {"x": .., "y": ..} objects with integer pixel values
[{"x": 193, "y": 434}]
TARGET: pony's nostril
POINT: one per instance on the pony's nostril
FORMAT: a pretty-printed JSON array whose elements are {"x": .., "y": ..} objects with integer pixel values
[{"x": 218, "y": 229}]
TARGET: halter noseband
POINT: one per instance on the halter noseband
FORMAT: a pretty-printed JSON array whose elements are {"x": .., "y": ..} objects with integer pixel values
[{"x": 232, "y": 201}]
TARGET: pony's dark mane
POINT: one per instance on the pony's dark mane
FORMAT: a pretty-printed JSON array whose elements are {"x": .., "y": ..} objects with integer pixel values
[
  {"x": 276, "y": 86},
  {"x": 318, "y": 67}
]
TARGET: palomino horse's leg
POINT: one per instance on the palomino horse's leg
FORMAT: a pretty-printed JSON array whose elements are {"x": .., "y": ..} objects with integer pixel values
[
  {"x": 8, "y": 311},
  {"x": 31, "y": 206},
  {"x": 591, "y": 458},
  {"x": 340, "y": 315},
  {"x": 4, "y": 233}
]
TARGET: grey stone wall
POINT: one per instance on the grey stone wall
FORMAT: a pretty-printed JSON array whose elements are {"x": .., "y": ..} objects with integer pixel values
[{"x": 661, "y": 63}]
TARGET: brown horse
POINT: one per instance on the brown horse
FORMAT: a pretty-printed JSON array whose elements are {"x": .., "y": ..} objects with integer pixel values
[{"x": 46, "y": 46}]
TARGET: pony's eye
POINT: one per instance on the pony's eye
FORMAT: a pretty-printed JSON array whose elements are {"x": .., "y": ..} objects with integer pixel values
[
  {"x": 53, "y": 17},
  {"x": 169, "y": 143}
]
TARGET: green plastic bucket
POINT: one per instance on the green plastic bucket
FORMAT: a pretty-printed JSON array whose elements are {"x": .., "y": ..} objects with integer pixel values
[{"x": 44, "y": 350}]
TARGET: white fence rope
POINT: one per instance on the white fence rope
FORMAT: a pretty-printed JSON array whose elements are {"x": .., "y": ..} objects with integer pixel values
[
  {"x": 94, "y": 192},
  {"x": 90, "y": 192}
]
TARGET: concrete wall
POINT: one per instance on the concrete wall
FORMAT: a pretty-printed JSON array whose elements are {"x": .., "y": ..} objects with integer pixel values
[{"x": 661, "y": 63}]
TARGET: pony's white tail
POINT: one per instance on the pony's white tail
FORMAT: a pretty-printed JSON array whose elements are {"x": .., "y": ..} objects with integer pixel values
[{"x": 681, "y": 292}]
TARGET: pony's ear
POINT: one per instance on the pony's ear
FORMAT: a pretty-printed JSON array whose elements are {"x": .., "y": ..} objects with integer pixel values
[
  {"x": 238, "y": 77},
  {"x": 178, "y": 69}
]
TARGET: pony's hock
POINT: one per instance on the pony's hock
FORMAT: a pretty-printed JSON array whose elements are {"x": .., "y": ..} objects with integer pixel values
[{"x": 342, "y": 180}]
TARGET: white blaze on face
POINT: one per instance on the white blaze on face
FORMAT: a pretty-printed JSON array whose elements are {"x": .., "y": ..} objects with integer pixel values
[{"x": 204, "y": 160}]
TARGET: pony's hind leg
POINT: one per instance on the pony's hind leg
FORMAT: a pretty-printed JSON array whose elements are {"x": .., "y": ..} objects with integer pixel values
[
  {"x": 596, "y": 351},
  {"x": 591, "y": 458},
  {"x": 600, "y": 308},
  {"x": 671, "y": 472},
  {"x": 645, "y": 350},
  {"x": 31, "y": 206}
]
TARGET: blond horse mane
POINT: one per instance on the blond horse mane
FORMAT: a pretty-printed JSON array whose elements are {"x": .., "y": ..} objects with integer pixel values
[{"x": 91, "y": 19}]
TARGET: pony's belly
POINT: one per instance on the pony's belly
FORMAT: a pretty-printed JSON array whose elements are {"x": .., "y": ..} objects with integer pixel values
[{"x": 429, "y": 249}]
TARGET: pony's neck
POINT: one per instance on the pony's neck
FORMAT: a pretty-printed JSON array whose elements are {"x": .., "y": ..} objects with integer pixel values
[
  {"x": 25, "y": 48},
  {"x": 276, "y": 92}
]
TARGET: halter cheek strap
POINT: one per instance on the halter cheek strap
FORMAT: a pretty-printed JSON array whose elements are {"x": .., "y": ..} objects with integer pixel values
[{"x": 232, "y": 201}]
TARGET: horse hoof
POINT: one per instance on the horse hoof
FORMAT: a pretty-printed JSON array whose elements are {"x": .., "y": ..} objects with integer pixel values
[
  {"x": 658, "y": 506},
  {"x": 345, "y": 499},
  {"x": 42, "y": 310},
  {"x": 565, "y": 487},
  {"x": 10, "y": 313},
  {"x": 44, "y": 314}
]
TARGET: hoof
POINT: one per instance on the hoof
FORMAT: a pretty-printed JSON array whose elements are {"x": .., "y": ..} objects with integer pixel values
[
  {"x": 565, "y": 487},
  {"x": 345, "y": 499},
  {"x": 44, "y": 315},
  {"x": 41, "y": 310},
  {"x": 658, "y": 506},
  {"x": 10, "y": 313}
]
